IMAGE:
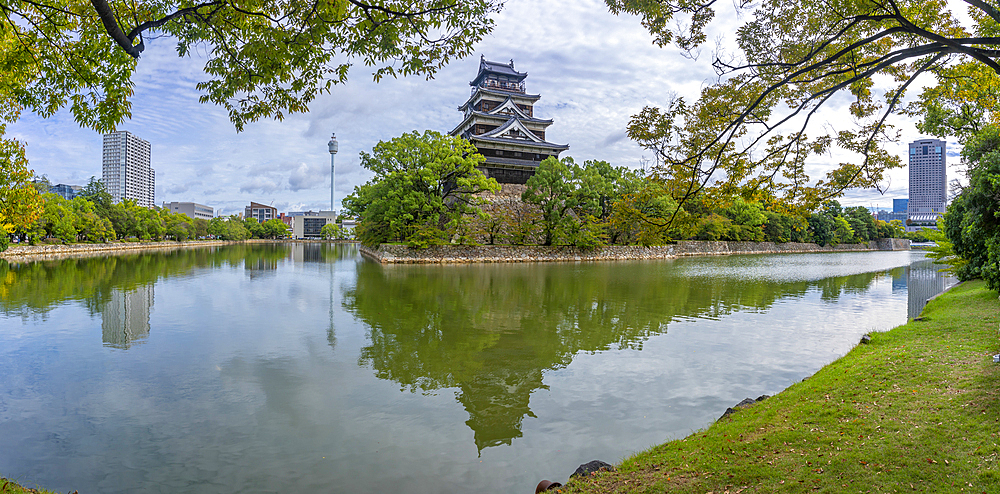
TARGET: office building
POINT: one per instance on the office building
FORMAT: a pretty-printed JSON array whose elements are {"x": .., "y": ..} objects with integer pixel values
[
  {"x": 928, "y": 183},
  {"x": 191, "y": 209},
  {"x": 126, "y": 171},
  {"x": 260, "y": 212},
  {"x": 309, "y": 226},
  {"x": 898, "y": 211},
  {"x": 67, "y": 192}
]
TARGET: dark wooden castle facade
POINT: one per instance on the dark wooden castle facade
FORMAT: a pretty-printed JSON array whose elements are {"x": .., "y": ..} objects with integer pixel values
[{"x": 500, "y": 122}]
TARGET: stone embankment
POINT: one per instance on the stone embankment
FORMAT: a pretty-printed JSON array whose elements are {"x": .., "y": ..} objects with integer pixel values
[
  {"x": 401, "y": 254},
  {"x": 21, "y": 253}
]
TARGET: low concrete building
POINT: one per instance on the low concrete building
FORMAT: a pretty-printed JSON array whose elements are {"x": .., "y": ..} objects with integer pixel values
[
  {"x": 191, "y": 209},
  {"x": 309, "y": 226}
]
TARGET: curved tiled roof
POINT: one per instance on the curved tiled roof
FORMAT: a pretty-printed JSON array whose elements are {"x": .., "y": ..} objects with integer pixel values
[{"x": 526, "y": 142}]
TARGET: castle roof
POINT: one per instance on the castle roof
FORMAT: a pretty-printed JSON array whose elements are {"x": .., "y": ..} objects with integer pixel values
[
  {"x": 514, "y": 131},
  {"x": 499, "y": 93},
  {"x": 487, "y": 67},
  {"x": 479, "y": 116}
]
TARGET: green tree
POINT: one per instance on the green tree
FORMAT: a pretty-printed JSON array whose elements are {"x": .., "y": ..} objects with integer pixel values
[
  {"x": 228, "y": 228},
  {"x": 424, "y": 188},
  {"x": 862, "y": 223},
  {"x": 843, "y": 233},
  {"x": 642, "y": 212},
  {"x": 748, "y": 220},
  {"x": 253, "y": 228},
  {"x": 823, "y": 229},
  {"x": 274, "y": 228},
  {"x": 263, "y": 59},
  {"x": 20, "y": 203},
  {"x": 575, "y": 200},
  {"x": 551, "y": 188},
  {"x": 90, "y": 226},
  {"x": 58, "y": 220},
  {"x": 178, "y": 227},
  {"x": 332, "y": 231},
  {"x": 778, "y": 227},
  {"x": 200, "y": 228},
  {"x": 748, "y": 131},
  {"x": 972, "y": 221}
]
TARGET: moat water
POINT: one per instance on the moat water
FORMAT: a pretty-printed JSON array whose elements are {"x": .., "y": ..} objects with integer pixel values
[{"x": 304, "y": 368}]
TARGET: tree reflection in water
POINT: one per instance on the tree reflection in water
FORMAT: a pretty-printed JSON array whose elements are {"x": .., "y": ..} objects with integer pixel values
[
  {"x": 103, "y": 283},
  {"x": 491, "y": 331}
]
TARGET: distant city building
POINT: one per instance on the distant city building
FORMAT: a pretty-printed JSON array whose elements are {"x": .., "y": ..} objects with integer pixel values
[
  {"x": 309, "y": 226},
  {"x": 126, "y": 171},
  {"x": 898, "y": 211},
  {"x": 928, "y": 183},
  {"x": 286, "y": 219},
  {"x": 192, "y": 209},
  {"x": 260, "y": 212},
  {"x": 67, "y": 192},
  {"x": 499, "y": 120},
  {"x": 887, "y": 216}
]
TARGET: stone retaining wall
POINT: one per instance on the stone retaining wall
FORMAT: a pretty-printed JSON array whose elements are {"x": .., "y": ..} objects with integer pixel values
[
  {"x": 401, "y": 254},
  {"x": 21, "y": 253}
]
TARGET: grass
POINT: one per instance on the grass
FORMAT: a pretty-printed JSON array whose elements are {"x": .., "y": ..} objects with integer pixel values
[
  {"x": 916, "y": 410},
  {"x": 10, "y": 487}
]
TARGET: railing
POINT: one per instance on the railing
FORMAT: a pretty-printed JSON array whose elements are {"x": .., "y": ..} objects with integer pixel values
[{"x": 514, "y": 87}]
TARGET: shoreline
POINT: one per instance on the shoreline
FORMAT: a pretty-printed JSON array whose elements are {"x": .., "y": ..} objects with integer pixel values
[
  {"x": 913, "y": 409},
  {"x": 27, "y": 253},
  {"x": 460, "y": 254}
]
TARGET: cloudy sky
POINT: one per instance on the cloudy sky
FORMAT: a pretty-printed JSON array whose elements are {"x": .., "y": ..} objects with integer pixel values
[{"x": 593, "y": 70}]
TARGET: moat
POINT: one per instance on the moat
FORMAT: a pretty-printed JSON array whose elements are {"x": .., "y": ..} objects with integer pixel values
[{"x": 306, "y": 368}]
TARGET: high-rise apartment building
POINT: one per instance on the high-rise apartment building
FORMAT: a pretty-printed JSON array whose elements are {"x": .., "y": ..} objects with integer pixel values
[
  {"x": 928, "y": 183},
  {"x": 126, "y": 172}
]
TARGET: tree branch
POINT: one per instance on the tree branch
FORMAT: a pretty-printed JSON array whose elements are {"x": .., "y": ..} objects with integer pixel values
[{"x": 113, "y": 29}]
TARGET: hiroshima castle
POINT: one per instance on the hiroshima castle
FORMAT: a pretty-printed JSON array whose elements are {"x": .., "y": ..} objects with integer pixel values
[{"x": 500, "y": 122}]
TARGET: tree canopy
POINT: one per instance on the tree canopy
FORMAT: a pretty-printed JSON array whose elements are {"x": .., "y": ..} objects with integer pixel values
[
  {"x": 423, "y": 190},
  {"x": 748, "y": 131},
  {"x": 264, "y": 58}
]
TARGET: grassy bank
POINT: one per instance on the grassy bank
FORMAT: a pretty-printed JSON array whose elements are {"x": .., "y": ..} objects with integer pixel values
[
  {"x": 915, "y": 410},
  {"x": 11, "y": 487}
]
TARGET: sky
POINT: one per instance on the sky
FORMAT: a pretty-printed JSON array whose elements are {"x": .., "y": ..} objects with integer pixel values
[{"x": 593, "y": 70}]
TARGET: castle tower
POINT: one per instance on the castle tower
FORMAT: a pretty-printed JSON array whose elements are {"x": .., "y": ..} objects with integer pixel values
[{"x": 500, "y": 122}]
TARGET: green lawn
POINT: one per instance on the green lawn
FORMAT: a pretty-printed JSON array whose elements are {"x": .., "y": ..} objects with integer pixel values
[
  {"x": 915, "y": 410},
  {"x": 8, "y": 486}
]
